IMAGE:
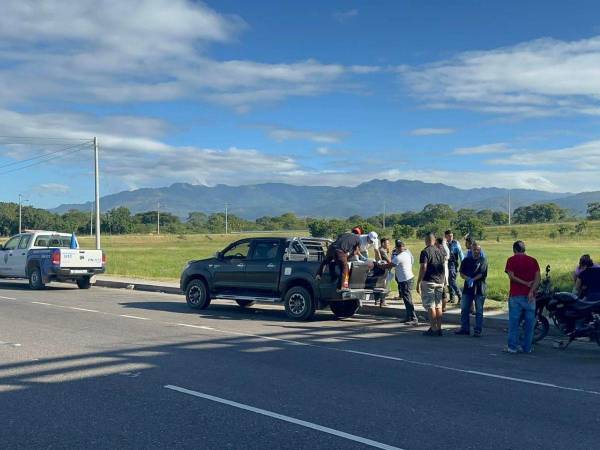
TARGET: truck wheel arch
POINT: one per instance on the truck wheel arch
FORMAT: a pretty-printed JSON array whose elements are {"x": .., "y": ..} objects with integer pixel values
[
  {"x": 196, "y": 276},
  {"x": 299, "y": 282}
]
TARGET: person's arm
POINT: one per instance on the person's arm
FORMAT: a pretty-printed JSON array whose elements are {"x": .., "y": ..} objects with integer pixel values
[
  {"x": 578, "y": 287},
  {"x": 462, "y": 273},
  {"x": 516, "y": 279},
  {"x": 534, "y": 286},
  {"x": 481, "y": 272},
  {"x": 422, "y": 270},
  {"x": 459, "y": 253}
]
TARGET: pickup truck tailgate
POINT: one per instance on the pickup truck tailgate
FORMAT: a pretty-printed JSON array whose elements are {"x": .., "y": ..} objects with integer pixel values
[{"x": 80, "y": 259}]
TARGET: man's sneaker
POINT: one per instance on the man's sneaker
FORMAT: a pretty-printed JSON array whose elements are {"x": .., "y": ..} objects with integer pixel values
[
  {"x": 509, "y": 350},
  {"x": 462, "y": 332},
  {"x": 412, "y": 323},
  {"x": 476, "y": 333},
  {"x": 430, "y": 332},
  {"x": 439, "y": 332}
]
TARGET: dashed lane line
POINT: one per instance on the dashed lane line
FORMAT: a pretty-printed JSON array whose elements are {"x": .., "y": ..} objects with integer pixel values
[
  {"x": 274, "y": 415},
  {"x": 7, "y": 298},
  {"x": 349, "y": 351}
]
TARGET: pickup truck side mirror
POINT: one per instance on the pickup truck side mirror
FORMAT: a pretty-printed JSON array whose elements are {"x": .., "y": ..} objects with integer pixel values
[{"x": 219, "y": 255}]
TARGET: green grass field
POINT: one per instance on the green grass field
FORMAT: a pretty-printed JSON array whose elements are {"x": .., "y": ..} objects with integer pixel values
[{"x": 163, "y": 257}]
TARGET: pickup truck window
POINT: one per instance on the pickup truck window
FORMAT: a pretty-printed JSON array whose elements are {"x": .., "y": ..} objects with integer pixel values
[
  {"x": 12, "y": 243},
  {"x": 264, "y": 250},
  {"x": 53, "y": 241},
  {"x": 25, "y": 241},
  {"x": 239, "y": 251}
]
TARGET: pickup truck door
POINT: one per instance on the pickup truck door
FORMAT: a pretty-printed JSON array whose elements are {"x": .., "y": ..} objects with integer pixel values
[
  {"x": 263, "y": 267},
  {"x": 229, "y": 270},
  {"x": 19, "y": 257},
  {"x": 6, "y": 254}
]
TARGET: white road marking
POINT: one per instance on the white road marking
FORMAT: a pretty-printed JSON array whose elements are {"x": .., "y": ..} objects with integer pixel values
[
  {"x": 10, "y": 344},
  {"x": 83, "y": 309},
  {"x": 289, "y": 419},
  {"x": 133, "y": 317},
  {"x": 368, "y": 354},
  {"x": 7, "y": 298}
]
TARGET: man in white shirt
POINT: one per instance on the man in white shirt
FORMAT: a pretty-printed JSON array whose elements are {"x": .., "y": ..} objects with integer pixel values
[
  {"x": 368, "y": 241},
  {"x": 403, "y": 260}
]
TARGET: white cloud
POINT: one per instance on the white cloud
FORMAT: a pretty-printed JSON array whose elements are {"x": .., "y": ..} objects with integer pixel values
[
  {"x": 483, "y": 149},
  {"x": 536, "y": 78},
  {"x": 280, "y": 134},
  {"x": 431, "y": 131},
  {"x": 51, "y": 189},
  {"x": 585, "y": 156},
  {"x": 345, "y": 16},
  {"x": 146, "y": 50},
  {"x": 323, "y": 151}
]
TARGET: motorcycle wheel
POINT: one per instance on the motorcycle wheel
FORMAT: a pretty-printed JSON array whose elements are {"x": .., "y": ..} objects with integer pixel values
[{"x": 542, "y": 326}]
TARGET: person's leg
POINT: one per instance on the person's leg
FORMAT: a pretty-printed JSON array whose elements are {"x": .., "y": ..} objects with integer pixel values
[
  {"x": 428, "y": 300},
  {"x": 465, "y": 318},
  {"x": 479, "y": 300},
  {"x": 404, "y": 288},
  {"x": 514, "y": 317},
  {"x": 342, "y": 259},
  {"x": 529, "y": 326},
  {"x": 454, "y": 289},
  {"x": 439, "y": 292},
  {"x": 328, "y": 259}
]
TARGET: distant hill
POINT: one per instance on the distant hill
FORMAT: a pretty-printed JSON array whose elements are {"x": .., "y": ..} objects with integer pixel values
[{"x": 367, "y": 199}]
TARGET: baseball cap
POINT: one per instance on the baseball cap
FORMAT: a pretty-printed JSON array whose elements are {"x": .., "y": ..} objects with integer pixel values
[{"x": 373, "y": 236}]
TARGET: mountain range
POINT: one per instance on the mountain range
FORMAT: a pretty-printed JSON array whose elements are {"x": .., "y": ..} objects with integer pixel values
[{"x": 367, "y": 199}]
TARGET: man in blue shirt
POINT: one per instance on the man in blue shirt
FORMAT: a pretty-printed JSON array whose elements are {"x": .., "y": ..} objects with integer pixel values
[
  {"x": 473, "y": 270},
  {"x": 456, "y": 257}
]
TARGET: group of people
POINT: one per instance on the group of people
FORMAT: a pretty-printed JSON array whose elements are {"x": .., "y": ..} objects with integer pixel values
[{"x": 441, "y": 263}]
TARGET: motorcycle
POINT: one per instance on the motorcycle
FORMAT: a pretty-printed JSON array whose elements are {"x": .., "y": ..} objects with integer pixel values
[{"x": 573, "y": 316}]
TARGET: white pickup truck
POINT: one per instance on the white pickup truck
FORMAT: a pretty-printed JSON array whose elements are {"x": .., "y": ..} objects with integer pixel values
[{"x": 45, "y": 256}]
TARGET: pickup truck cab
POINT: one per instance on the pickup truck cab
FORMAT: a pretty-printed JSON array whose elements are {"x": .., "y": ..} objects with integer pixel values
[
  {"x": 280, "y": 271},
  {"x": 45, "y": 256}
]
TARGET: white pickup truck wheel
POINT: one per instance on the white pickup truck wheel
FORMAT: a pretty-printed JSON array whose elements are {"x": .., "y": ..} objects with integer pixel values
[
  {"x": 84, "y": 283},
  {"x": 35, "y": 279}
]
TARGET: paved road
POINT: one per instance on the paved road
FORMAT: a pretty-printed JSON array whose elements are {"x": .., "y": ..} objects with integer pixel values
[{"x": 114, "y": 368}]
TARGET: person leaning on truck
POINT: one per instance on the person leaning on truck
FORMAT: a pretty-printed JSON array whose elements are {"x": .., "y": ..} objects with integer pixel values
[{"x": 346, "y": 245}]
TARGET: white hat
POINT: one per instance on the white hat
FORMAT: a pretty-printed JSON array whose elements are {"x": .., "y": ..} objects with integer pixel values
[{"x": 372, "y": 236}]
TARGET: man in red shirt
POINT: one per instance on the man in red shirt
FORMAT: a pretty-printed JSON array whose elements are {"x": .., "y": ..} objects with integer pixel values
[{"x": 524, "y": 274}]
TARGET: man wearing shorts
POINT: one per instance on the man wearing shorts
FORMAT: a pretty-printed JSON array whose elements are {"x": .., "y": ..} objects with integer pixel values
[{"x": 430, "y": 283}]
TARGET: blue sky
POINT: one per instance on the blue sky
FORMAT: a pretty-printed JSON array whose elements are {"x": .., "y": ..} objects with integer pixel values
[{"x": 466, "y": 93}]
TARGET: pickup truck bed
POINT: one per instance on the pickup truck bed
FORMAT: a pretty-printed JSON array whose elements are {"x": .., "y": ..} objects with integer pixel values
[{"x": 281, "y": 271}]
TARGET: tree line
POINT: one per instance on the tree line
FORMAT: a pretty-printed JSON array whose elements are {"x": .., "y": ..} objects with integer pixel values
[{"x": 432, "y": 218}]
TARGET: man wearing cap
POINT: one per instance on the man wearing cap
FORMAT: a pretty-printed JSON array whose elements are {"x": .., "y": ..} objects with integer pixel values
[
  {"x": 403, "y": 260},
  {"x": 368, "y": 241}
]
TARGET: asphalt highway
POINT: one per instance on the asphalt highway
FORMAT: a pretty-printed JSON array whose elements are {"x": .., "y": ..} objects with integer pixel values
[{"x": 108, "y": 368}]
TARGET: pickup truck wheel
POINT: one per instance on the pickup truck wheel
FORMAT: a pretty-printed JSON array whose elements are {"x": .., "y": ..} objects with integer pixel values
[
  {"x": 344, "y": 309},
  {"x": 196, "y": 295},
  {"x": 299, "y": 304},
  {"x": 84, "y": 283},
  {"x": 35, "y": 279},
  {"x": 245, "y": 303}
]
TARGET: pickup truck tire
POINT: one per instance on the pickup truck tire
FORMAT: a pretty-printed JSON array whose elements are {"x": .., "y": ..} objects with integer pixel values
[
  {"x": 344, "y": 309},
  {"x": 35, "y": 279},
  {"x": 84, "y": 283},
  {"x": 196, "y": 295},
  {"x": 245, "y": 303},
  {"x": 299, "y": 304}
]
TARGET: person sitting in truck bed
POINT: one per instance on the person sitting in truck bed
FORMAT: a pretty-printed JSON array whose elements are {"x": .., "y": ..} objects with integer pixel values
[{"x": 346, "y": 245}]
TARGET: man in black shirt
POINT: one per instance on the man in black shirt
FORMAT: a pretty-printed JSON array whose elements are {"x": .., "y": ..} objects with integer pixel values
[
  {"x": 430, "y": 284},
  {"x": 588, "y": 281},
  {"x": 473, "y": 270},
  {"x": 346, "y": 245}
]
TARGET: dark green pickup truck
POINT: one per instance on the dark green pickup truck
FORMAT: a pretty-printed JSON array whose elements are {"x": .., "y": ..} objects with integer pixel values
[{"x": 279, "y": 270}]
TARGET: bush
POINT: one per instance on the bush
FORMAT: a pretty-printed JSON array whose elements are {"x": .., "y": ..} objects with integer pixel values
[
  {"x": 553, "y": 235},
  {"x": 403, "y": 232},
  {"x": 514, "y": 233}
]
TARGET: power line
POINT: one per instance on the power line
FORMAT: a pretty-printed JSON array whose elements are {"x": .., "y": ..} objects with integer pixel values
[
  {"x": 43, "y": 161},
  {"x": 43, "y": 155}
]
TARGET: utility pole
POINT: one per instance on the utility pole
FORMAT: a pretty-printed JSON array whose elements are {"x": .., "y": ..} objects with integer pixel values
[
  {"x": 226, "y": 219},
  {"x": 20, "y": 215},
  {"x": 509, "y": 208},
  {"x": 158, "y": 218},
  {"x": 97, "y": 189},
  {"x": 92, "y": 221}
]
